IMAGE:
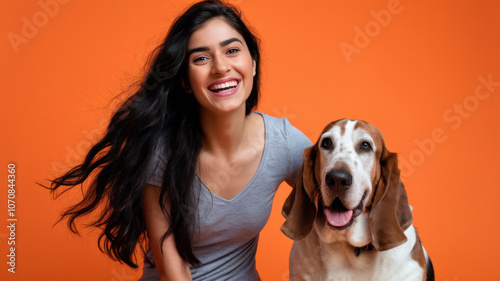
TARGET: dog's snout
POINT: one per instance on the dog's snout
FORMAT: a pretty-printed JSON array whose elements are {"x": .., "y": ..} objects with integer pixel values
[{"x": 338, "y": 179}]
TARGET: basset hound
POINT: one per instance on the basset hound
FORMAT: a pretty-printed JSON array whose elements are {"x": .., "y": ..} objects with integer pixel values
[{"x": 349, "y": 214}]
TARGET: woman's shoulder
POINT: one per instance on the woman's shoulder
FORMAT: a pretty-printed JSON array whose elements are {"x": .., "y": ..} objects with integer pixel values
[
  {"x": 275, "y": 123},
  {"x": 281, "y": 125},
  {"x": 286, "y": 143},
  {"x": 283, "y": 137}
]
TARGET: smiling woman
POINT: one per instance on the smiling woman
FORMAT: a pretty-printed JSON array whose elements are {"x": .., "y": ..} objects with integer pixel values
[{"x": 186, "y": 171}]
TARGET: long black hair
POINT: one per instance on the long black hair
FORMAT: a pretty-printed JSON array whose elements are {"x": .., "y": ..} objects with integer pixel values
[{"x": 117, "y": 165}]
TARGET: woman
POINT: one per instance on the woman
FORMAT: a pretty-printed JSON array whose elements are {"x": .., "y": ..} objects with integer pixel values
[{"x": 186, "y": 167}]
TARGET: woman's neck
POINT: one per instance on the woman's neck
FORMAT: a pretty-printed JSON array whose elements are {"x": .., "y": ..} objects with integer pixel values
[{"x": 223, "y": 133}]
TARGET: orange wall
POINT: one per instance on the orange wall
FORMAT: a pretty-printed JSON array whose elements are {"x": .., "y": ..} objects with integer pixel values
[{"x": 416, "y": 69}]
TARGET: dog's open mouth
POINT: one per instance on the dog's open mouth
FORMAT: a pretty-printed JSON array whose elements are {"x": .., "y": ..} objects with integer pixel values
[{"x": 338, "y": 216}]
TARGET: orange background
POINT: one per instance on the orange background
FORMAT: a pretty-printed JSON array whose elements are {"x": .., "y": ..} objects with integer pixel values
[{"x": 410, "y": 75}]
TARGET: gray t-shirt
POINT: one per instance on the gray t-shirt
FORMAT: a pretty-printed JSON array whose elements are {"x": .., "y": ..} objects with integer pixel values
[{"x": 227, "y": 232}]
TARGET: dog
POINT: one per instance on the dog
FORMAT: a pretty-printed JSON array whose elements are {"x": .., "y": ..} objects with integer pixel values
[{"x": 349, "y": 213}]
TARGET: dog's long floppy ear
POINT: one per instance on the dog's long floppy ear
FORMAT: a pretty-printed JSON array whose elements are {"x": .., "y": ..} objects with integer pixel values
[
  {"x": 299, "y": 209},
  {"x": 391, "y": 214}
]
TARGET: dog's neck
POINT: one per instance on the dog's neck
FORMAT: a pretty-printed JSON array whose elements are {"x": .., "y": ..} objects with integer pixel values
[{"x": 345, "y": 246}]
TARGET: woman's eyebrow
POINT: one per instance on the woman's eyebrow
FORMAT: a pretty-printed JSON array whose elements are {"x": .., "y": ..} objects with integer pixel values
[
  {"x": 229, "y": 41},
  {"x": 222, "y": 44},
  {"x": 199, "y": 49}
]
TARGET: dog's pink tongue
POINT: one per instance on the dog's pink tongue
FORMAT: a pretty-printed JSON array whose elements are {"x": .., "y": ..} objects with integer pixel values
[{"x": 338, "y": 218}]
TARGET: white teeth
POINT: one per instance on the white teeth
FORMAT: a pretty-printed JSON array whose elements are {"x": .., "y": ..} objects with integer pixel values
[{"x": 224, "y": 85}]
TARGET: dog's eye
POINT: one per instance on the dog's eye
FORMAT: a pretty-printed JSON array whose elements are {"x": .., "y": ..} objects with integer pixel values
[
  {"x": 326, "y": 143},
  {"x": 365, "y": 146}
]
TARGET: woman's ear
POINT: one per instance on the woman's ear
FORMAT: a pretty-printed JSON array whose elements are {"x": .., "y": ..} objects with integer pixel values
[{"x": 254, "y": 67}]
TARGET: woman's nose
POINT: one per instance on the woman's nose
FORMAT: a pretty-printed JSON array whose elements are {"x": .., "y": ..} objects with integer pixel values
[{"x": 220, "y": 65}]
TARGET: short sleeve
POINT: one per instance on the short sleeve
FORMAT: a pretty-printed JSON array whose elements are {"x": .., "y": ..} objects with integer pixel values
[{"x": 297, "y": 142}]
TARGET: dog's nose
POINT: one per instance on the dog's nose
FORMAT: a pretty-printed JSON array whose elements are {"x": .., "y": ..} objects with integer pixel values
[{"x": 338, "y": 179}]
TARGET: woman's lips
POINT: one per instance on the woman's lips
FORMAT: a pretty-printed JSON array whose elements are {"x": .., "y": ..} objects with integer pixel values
[{"x": 224, "y": 88}]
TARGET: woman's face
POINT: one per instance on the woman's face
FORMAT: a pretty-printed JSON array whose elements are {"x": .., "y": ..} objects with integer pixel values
[{"x": 220, "y": 67}]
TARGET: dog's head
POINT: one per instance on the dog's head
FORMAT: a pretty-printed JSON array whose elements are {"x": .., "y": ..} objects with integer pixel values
[{"x": 349, "y": 189}]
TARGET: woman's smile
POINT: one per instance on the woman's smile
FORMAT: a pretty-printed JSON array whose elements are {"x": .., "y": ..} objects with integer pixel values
[{"x": 224, "y": 87}]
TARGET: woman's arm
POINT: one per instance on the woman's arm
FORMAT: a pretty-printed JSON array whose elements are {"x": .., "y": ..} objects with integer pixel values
[{"x": 170, "y": 265}]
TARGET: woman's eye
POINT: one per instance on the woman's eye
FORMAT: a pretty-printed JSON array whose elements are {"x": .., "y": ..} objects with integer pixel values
[
  {"x": 365, "y": 146},
  {"x": 200, "y": 59},
  {"x": 232, "y": 51},
  {"x": 326, "y": 143}
]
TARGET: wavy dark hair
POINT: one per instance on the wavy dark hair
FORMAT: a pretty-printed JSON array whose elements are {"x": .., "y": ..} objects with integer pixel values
[{"x": 114, "y": 171}]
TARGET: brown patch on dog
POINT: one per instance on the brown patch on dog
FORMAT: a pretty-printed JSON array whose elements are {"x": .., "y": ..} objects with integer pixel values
[
  {"x": 417, "y": 253},
  {"x": 328, "y": 127},
  {"x": 342, "y": 127}
]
